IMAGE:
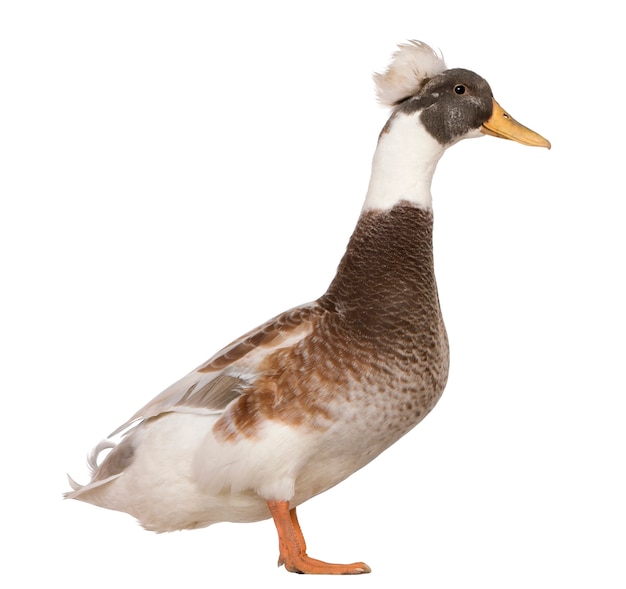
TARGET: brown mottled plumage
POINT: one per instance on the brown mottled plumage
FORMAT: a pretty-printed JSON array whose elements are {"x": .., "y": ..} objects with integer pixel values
[{"x": 377, "y": 333}]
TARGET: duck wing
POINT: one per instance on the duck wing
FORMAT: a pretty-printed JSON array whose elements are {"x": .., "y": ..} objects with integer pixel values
[{"x": 211, "y": 387}]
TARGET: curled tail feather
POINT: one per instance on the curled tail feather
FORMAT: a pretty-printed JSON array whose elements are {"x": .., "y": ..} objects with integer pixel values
[{"x": 92, "y": 462}]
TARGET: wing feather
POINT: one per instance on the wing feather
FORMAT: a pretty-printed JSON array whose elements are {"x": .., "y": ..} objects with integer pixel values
[{"x": 211, "y": 387}]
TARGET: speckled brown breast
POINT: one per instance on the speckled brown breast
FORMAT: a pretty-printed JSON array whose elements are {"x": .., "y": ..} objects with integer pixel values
[{"x": 378, "y": 339}]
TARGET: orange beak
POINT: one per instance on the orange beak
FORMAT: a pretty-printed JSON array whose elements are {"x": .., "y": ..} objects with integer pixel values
[{"x": 503, "y": 125}]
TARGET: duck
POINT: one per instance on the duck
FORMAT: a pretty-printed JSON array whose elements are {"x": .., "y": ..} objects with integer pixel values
[{"x": 300, "y": 403}]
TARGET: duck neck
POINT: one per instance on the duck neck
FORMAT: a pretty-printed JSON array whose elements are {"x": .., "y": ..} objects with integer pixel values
[
  {"x": 404, "y": 163},
  {"x": 385, "y": 285}
]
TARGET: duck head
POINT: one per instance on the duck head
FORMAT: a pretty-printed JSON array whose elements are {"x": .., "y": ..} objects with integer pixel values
[
  {"x": 433, "y": 107},
  {"x": 453, "y": 103}
]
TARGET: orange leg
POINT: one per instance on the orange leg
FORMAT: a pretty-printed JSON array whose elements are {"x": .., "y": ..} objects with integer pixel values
[{"x": 293, "y": 548}]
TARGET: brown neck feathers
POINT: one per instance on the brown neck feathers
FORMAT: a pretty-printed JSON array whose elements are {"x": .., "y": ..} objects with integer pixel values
[{"x": 385, "y": 285}]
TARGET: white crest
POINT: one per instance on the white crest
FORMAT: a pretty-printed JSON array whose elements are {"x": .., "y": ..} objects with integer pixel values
[{"x": 411, "y": 66}]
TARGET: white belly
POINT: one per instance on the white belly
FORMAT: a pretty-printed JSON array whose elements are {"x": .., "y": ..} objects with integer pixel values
[{"x": 180, "y": 476}]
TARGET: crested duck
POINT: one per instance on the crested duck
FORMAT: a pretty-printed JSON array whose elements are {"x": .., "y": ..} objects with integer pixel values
[{"x": 295, "y": 406}]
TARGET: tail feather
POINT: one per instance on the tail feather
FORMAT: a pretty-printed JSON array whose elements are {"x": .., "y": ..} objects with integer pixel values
[
  {"x": 92, "y": 462},
  {"x": 79, "y": 490},
  {"x": 75, "y": 486},
  {"x": 92, "y": 459}
]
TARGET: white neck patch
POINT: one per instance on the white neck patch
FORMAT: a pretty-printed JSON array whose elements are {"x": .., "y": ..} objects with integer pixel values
[{"x": 404, "y": 164}]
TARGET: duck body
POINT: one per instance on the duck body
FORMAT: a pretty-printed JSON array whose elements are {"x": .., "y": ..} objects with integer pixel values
[
  {"x": 295, "y": 406},
  {"x": 317, "y": 393}
]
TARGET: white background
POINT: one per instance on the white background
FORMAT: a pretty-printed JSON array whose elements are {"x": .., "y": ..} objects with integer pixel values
[{"x": 174, "y": 173}]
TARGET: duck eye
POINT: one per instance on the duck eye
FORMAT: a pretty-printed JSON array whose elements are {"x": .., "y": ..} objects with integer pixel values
[{"x": 459, "y": 89}]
